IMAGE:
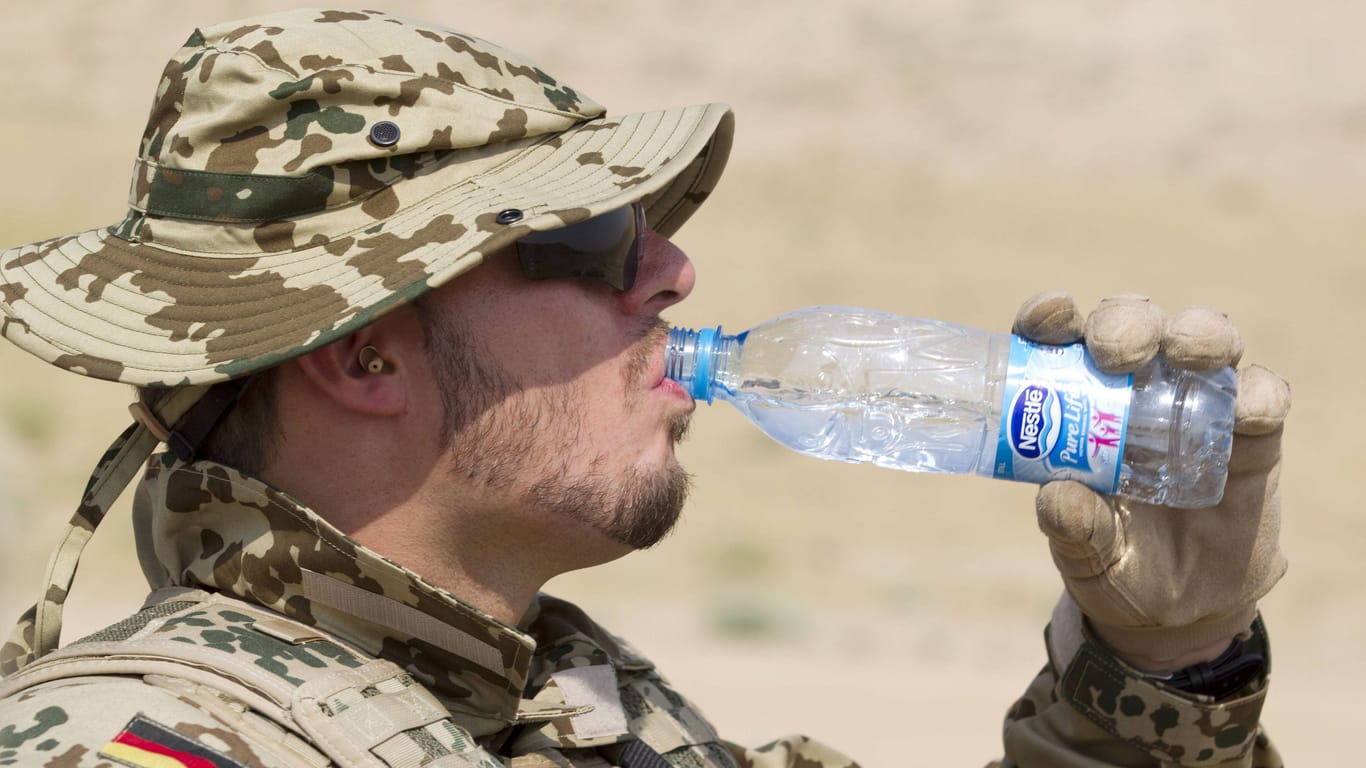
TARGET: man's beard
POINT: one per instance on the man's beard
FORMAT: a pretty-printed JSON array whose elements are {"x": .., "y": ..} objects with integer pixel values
[
  {"x": 644, "y": 506},
  {"x": 494, "y": 436}
]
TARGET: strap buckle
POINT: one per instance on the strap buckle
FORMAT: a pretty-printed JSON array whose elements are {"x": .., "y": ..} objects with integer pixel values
[{"x": 1230, "y": 672}]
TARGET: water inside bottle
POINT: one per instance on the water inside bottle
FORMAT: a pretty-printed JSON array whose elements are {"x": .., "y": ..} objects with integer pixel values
[{"x": 898, "y": 430}]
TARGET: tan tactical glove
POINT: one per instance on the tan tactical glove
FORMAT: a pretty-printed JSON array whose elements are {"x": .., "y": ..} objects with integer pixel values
[{"x": 1167, "y": 588}]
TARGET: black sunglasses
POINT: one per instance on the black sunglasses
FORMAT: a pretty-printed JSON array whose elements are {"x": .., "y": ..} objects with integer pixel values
[{"x": 607, "y": 247}]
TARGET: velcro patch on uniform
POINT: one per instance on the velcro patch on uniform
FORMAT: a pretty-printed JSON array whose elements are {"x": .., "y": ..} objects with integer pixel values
[
  {"x": 144, "y": 743},
  {"x": 595, "y": 685}
]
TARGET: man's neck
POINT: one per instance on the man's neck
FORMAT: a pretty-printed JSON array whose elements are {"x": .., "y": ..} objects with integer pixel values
[{"x": 501, "y": 588}]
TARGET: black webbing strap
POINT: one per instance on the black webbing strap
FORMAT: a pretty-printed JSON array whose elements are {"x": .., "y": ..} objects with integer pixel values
[
  {"x": 189, "y": 433},
  {"x": 636, "y": 754}
]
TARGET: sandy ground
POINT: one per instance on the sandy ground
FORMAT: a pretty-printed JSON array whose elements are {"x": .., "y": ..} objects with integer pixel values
[{"x": 932, "y": 158}]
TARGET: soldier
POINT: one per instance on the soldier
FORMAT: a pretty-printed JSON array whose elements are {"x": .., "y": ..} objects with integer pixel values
[{"x": 391, "y": 297}]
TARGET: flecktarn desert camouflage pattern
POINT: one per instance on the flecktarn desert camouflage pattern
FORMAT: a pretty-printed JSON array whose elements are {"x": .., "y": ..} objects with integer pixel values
[
  {"x": 322, "y": 648},
  {"x": 1160, "y": 721},
  {"x": 1087, "y": 695},
  {"x": 366, "y": 158},
  {"x": 283, "y": 695},
  {"x": 253, "y": 583}
]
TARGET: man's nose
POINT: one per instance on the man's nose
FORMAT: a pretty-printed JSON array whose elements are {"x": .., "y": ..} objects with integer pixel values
[{"x": 664, "y": 277}]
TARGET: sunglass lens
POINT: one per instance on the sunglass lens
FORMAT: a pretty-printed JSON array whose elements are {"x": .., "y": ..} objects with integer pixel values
[{"x": 605, "y": 247}]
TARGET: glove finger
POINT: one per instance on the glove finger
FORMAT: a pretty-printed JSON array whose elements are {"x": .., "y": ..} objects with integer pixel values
[
  {"x": 1124, "y": 333},
  {"x": 1050, "y": 317},
  {"x": 1082, "y": 529},
  {"x": 1263, "y": 404},
  {"x": 1263, "y": 401},
  {"x": 1202, "y": 339}
]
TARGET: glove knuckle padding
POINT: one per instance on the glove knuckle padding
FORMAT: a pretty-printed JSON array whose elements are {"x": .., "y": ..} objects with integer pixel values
[
  {"x": 1202, "y": 339},
  {"x": 1050, "y": 317},
  {"x": 1124, "y": 333}
]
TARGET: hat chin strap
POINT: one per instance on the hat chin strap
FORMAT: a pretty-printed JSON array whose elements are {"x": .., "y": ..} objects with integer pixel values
[{"x": 38, "y": 631}]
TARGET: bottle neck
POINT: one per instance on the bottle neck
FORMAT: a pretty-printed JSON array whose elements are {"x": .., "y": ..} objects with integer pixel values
[{"x": 699, "y": 360}]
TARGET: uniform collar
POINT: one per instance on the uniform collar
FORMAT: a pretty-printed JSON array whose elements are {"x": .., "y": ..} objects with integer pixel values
[{"x": 207, "y": 525}]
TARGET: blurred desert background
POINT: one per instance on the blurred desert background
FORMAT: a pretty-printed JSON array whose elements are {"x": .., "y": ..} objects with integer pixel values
[{"x": 937, "y": 158}]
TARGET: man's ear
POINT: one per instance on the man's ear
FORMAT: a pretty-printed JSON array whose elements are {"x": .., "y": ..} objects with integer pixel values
[{"x": 357, "y": 375}]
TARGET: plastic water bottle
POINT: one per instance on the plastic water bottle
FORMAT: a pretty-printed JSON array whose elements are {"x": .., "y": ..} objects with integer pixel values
[{"x": 927, "y": 396}]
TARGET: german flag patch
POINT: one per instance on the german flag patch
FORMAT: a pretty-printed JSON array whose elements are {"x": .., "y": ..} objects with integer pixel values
[{"x": 145, "y": 743}]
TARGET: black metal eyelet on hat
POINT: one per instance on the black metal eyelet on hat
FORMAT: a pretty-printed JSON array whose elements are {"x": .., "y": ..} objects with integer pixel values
[
  {"x": 384, "y": 133},
  {"x": 508, "y": 215}
]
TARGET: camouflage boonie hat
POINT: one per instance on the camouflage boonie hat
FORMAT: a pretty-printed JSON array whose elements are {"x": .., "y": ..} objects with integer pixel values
[{"x": 304, "y": 172}]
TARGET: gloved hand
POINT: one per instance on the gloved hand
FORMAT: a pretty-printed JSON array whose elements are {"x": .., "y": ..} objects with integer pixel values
[{"x": 1167, "y": 588}]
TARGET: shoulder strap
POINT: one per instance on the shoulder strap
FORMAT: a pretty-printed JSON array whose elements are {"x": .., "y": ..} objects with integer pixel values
[{"x": 307, "y": 682}]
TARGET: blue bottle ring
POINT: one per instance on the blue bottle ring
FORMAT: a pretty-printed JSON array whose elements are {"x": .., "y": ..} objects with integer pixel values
[{"x": 701, "y": 375}]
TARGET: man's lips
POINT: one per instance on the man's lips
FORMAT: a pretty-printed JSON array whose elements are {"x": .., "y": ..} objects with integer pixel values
[
  {"x": 663, "y": 383},
  {"x": 672, "y": 387}
]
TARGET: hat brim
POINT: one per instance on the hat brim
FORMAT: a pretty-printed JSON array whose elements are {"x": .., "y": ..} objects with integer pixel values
[{"x": 191, "y": 305}]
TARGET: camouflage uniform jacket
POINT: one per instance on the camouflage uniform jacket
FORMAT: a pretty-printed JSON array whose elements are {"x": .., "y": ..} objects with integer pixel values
[{"x": 274, "y": 640}]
